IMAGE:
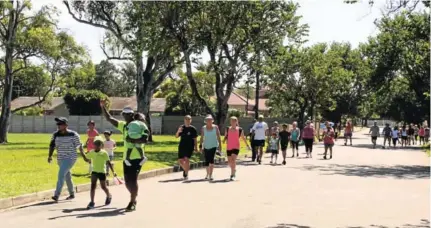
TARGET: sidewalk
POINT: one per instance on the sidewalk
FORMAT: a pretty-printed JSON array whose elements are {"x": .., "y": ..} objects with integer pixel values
[{"x": 359, "y": 187}]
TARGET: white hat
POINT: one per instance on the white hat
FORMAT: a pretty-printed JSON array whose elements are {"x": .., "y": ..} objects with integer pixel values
[
  {"x": 209, "y": 117},
  {"x": 127, "y": 110}
]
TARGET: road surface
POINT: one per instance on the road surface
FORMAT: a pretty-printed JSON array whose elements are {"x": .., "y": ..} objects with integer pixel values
[{"x": 359, "y": 187}]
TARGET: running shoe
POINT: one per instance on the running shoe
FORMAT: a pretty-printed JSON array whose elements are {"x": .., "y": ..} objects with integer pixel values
[
  {"x": 184, "y": 174},
  {"x": 186, "y": 177},
  {"x": 270, "y": 162},
  {"x": 71, "y": 197},
  {"x": 108, "y": 200},
  {"x": 284, "y": 162},
  {"x": 232, "y": 178},
  {"x": 131, "y": 207},
  {"x": 324, "y": 157},
  {"x": 211, "y": 178},
  {"x": 330, "y": 156},
  {"x": 90, "y": 206}
]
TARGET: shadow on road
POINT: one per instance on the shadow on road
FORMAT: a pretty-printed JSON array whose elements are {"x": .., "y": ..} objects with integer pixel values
[
  {"x": 370, "y": 146},
  {"x": 44, "y": 203},
  {"x": 99, "y": 213},
  {"x": 397, "y": 171},
  {"x": 286, "y": 225},
  {"x": 172, "y": 180},
  {"x": 424, "y": 223}
]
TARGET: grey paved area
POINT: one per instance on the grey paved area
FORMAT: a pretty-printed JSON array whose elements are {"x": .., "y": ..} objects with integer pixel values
[{"x": 359, "y": 187}]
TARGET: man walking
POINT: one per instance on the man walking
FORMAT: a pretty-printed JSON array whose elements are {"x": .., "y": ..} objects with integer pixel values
[
  {"x": 132, "y": 165},
  {"x": 66, "y": 142},
  {"x": 387, "y": 133},
  {"x": 253, "y": 147},
  {"x": 260, "y": 131},
  {"x": 375, "y": 132}
]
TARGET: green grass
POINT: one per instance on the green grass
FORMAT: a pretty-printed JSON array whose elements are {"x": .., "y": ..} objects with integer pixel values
[
  {"x": 24, "y": 168},
  {"x": 427, "y": 149}
]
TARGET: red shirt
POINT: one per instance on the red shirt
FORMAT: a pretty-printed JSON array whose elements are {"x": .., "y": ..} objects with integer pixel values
[
  {"x": 308, "y": 133},
  {"x": 328, "y": 137},
  {"x": 91, "y": 135}
]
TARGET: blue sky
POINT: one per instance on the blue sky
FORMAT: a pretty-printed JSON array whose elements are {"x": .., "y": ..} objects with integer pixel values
[{"x": 329, "y": 20}]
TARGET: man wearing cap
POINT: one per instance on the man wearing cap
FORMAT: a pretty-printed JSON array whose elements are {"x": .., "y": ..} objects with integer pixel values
[
  {"x": 260, "y": 131},
  {"x": 132, "y": 166},
  {"x": 66, "y": 142}
]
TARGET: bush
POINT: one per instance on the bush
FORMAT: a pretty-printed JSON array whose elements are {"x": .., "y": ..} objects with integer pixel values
[
  {"x": 84, "y": 102},
  {"x": 235, "y": 112}
]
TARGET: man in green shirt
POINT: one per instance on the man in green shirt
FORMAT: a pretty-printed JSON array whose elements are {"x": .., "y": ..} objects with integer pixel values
[{"x": 132, "y": 165}]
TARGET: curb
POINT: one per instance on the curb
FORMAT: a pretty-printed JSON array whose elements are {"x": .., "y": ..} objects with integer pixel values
[{"x": 12, "y": 202}]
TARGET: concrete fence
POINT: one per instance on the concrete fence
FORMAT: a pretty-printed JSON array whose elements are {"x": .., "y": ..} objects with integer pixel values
[
  {"x": 46, "y": 124},
  {"x": 167, "y": 125}
]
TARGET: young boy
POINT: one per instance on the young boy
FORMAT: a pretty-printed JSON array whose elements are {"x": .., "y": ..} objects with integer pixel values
[
  {"x": 135, "y": 130},
  {"x": 100, "y": 160},
  {"x": 273, "y": 146},
  {"x": 284, "y": 136}
]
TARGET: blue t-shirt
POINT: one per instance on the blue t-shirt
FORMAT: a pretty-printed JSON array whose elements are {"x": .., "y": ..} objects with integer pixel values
[{"x": 294, "y": 135}]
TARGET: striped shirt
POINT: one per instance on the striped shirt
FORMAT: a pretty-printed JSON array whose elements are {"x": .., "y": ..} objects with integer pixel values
[{"x": 66, "y": 144}]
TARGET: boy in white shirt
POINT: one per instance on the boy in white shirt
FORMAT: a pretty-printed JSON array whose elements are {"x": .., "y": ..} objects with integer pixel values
[{"x": 109, "y": 146}]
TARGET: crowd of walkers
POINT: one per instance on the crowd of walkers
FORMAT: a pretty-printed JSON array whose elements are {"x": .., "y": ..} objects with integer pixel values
[
  {"x": 100, "y": 151},
  {"x": 404, "y": 135}
]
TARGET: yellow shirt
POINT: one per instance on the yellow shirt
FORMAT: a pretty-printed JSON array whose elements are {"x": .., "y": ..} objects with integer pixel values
[{"x": 98, "y": 159}]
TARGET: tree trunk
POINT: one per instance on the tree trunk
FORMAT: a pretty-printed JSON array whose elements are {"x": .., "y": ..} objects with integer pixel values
[
  {"x": 8, "y": 83},
  {"x": 256, "y": 101},
  {"x": 144, "y": 81},
  {"x": 7, "y": 97}
]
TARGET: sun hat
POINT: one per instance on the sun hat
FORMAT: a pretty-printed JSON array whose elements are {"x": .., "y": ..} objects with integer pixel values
[{"x": 209, "y": 117}]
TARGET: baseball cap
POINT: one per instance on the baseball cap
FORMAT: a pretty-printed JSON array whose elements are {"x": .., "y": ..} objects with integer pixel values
[
  {"x": 127, "y": 110},
  {"x": 107, "y": 132},
  {"x": 260, "y": 116},
  {"x": 61, "y": 120}
]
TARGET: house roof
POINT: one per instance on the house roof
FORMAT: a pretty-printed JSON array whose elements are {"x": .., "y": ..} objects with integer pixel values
[
  {"x": 25, "y": 101},
  {"x": 117, "y": 103}
]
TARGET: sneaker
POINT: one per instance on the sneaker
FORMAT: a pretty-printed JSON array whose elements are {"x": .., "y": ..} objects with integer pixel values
[
  {"x": 211, "y": 178},
  {"x": 259, "y": 162},
  {"x": 345, "y": 144},
  {"x": 71, "y": 197},
  {"x": 108, "y": 200},
  {"x": 184, "y": 174},
  {"x": 55, "y": 198},
  {"x": 90, "y": 205},
  {"x": 330, "y": 156},
  {"x": 232, "y": 178},
  {"x": 284, "y": 162},
  {"x": 131, "y": 207},
  {"x": 297, "y": 154},
  {"x": 270, "y": 162},
  {"x": 186, "y": 177},
  {"x": 324, "y": 157}
]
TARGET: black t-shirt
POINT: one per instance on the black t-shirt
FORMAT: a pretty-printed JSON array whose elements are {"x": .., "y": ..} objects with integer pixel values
[
  {"x": 187, "y": 136},
  {"x": 284, "y": 137}
]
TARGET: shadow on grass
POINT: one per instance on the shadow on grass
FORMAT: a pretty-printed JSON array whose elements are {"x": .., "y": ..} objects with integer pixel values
[
  {"x": 424, "y": 223},
  {"x": 287, "y": 225},
  {"x": 397, "y": 171},
  {"x": 99, "y": 213}
]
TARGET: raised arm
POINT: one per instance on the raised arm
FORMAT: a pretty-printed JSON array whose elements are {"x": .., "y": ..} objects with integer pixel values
[{"x": 108, "y": 116}]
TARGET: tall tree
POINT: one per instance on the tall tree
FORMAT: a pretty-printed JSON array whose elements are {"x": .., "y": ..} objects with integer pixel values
[
  {"x": 129, "y": 28},
  {"x": 23, "y": 36},
  {"x": 228, "y": 31}
]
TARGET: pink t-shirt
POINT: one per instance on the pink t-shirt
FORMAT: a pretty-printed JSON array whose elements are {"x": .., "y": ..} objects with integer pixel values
[
  {"x": 308, "y": 133},
  {"x": 421, "y": 132},
  {"x": 328, "y": 136},
  {"x": 91, "y": 135},
  {"x": 348, "y": 128},
  {"x": 233, "y": 138}
]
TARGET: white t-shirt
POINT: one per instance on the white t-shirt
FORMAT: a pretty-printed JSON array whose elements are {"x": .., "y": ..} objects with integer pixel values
[
  {"x": 395, "y": 134},
  {"x": 109, "y": 147},
  {"x": 259, "y": 130}
]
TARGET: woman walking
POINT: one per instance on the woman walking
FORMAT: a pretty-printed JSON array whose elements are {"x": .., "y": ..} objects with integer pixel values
[
  {"x": 308, "y": 137},
  {"x": 232, "y": 137},
  {"x": 210, "y": 142},
  {"x": 348, "y": 132},
  {"x": 328, "y": 140}
]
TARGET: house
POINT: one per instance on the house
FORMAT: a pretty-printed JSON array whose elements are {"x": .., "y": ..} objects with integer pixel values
[
  {"x": 239, "y": 102},
  {"x": 57, "y": 107}
]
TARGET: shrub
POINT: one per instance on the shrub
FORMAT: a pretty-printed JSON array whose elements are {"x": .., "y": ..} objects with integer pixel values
[{"x": 84, "y": 102}]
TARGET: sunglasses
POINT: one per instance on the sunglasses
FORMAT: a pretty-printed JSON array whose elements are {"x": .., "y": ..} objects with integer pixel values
[{"x": 61, "y": 124}]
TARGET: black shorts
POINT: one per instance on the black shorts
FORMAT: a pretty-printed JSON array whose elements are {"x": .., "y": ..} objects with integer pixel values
[
  {"x": 233, "y": 151},
  {"x": 295, "y": 144},
  {"x": 374, "y": 137},
  {"x": 284, "y": 146},
  {"x": 404, "y": 137},
  {"x": 185, "y": 152},
  {"x": 131, "y": 172},
  {"x": 274, "y": 151},
  {"x": 209, "y": 156},
  {"x": 259, "y": 143},
  {"x": 99, "y": 176}
]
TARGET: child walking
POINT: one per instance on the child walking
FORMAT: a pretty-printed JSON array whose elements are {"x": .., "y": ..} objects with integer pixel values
[
  {"x": 110, "y": 146},
  {"x": 273, "y": 146},
  {"x": 100, "y": 159},
  {"x": 284, "y": 136},
  {"x": 91, "y": 134}
]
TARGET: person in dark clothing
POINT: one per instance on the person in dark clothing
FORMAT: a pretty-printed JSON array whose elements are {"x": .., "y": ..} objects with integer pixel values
[
  {"x": 188, "y": 143},
  {"x": 284, "y": 136}
]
